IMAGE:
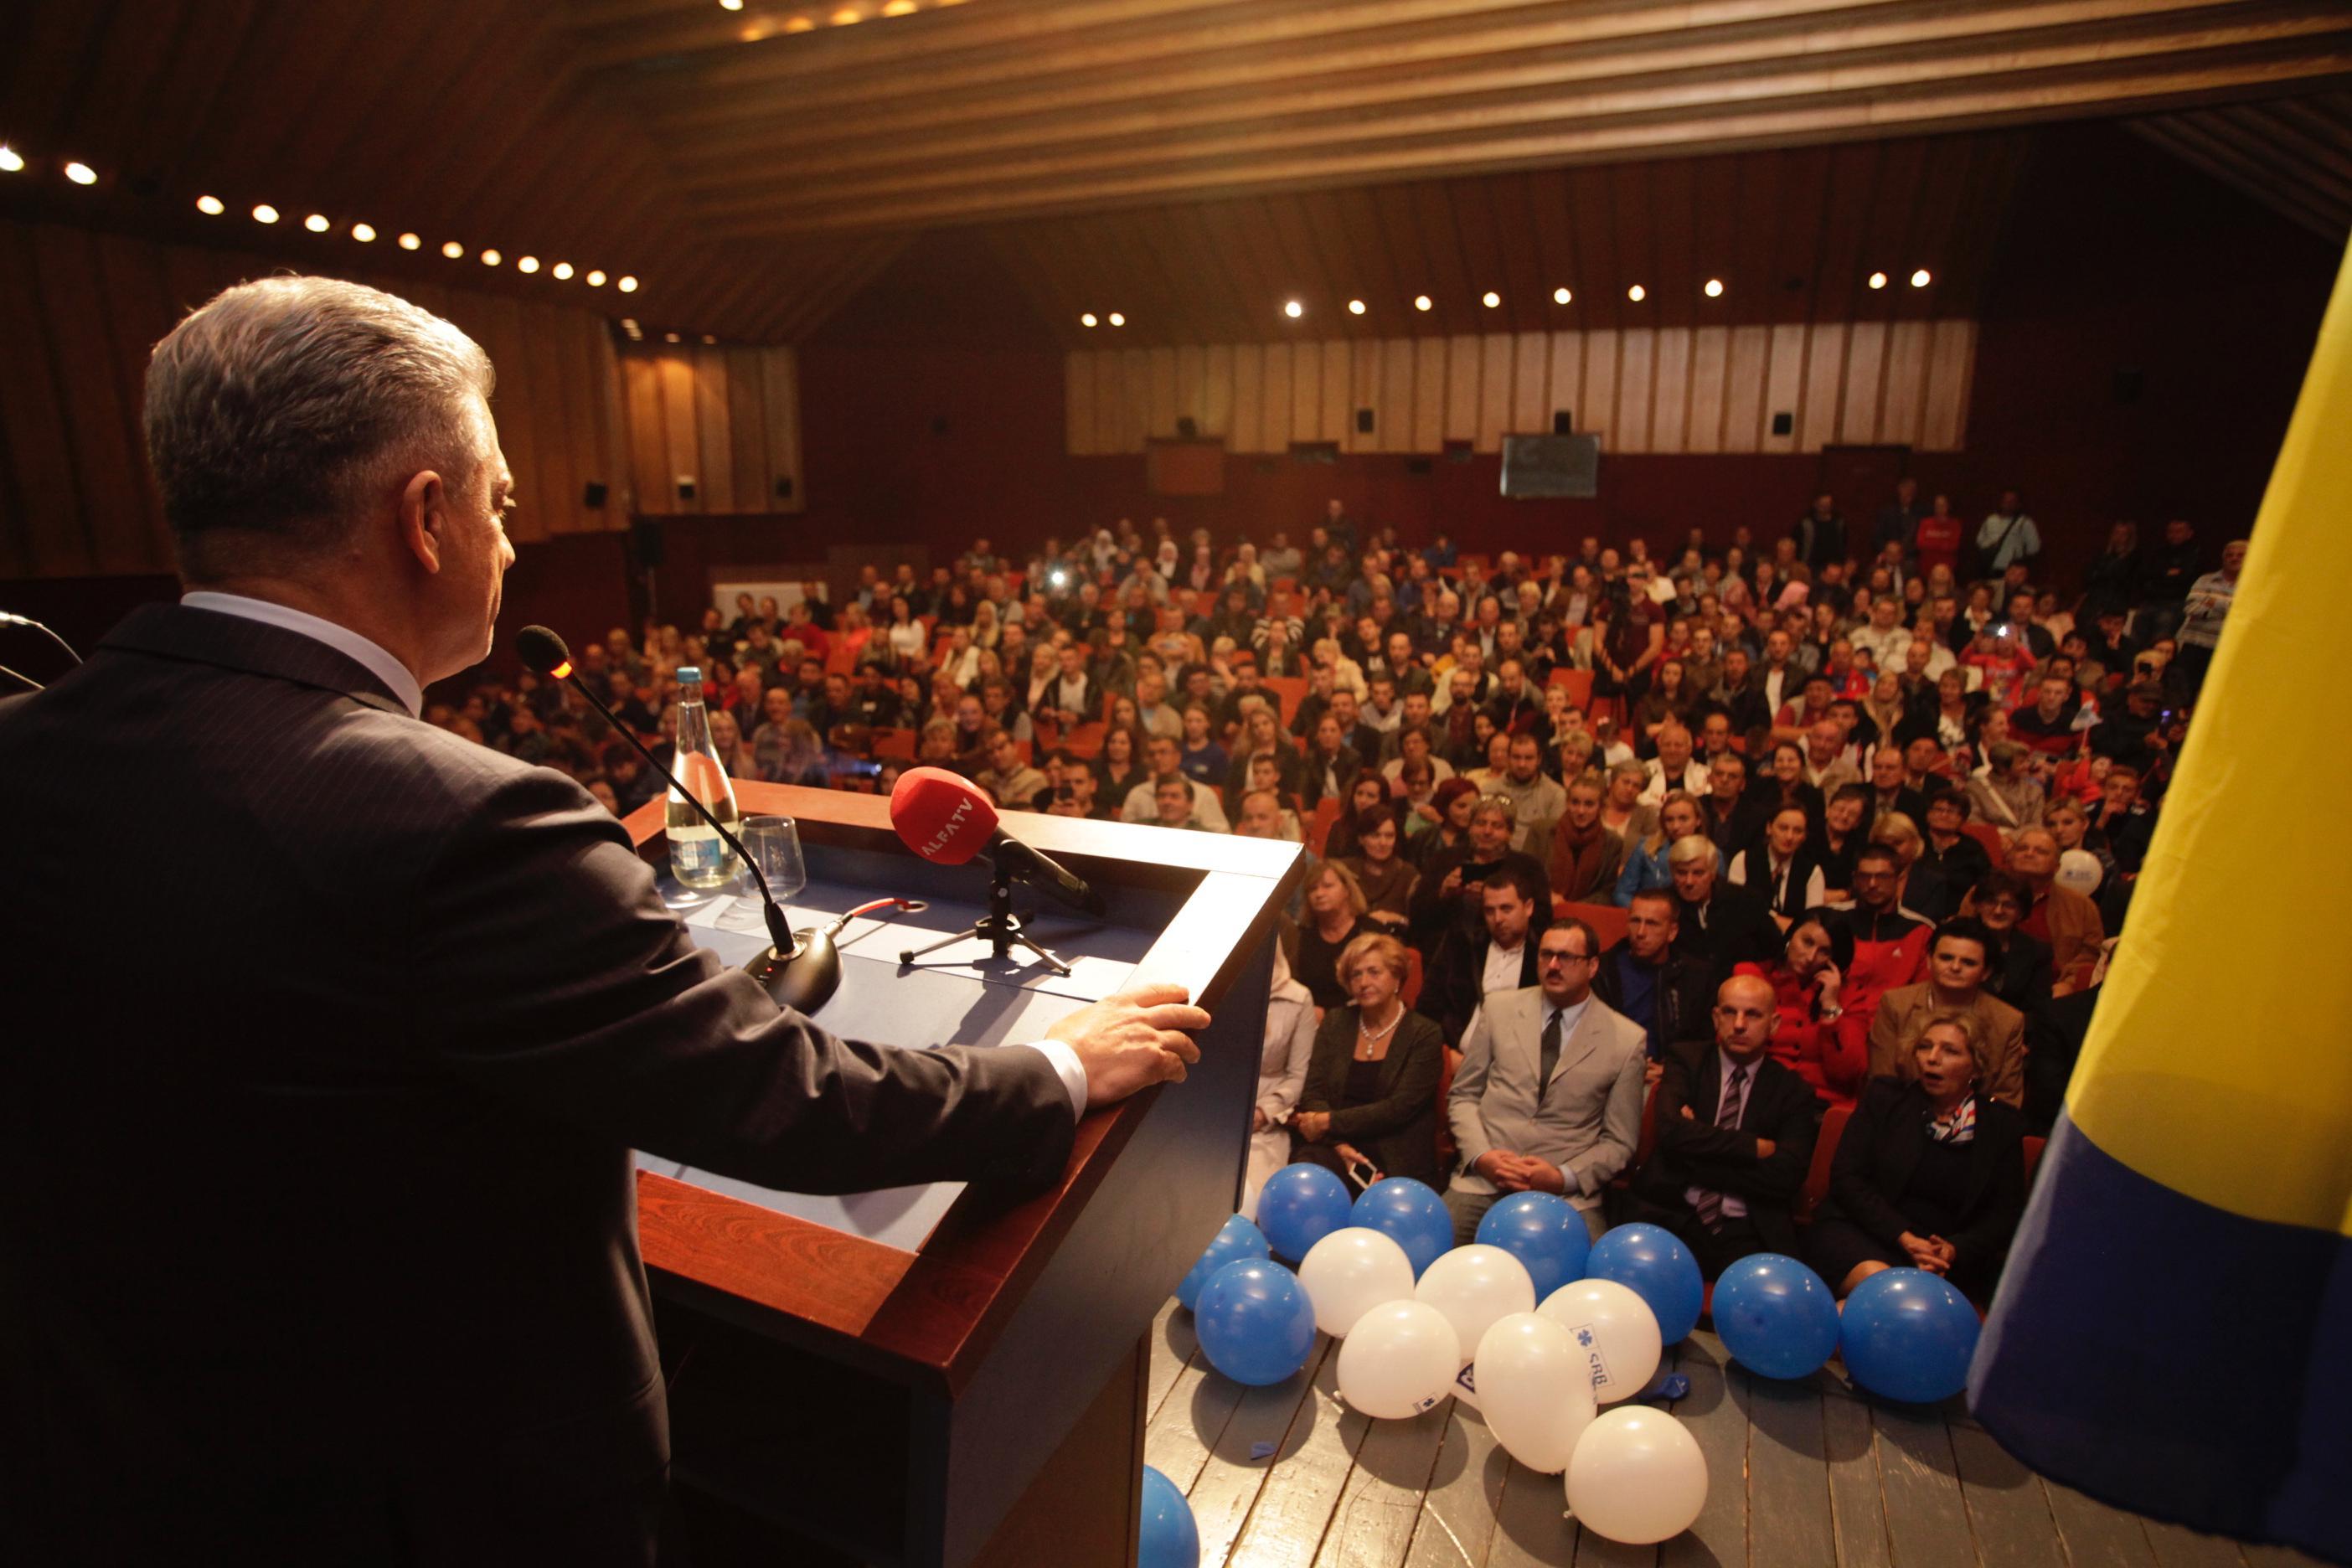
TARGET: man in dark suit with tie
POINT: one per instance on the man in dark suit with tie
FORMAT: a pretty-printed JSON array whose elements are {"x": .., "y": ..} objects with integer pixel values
[
  {"x": 319, "y": 1204},
  {"x": 1734, "y": 1138}
]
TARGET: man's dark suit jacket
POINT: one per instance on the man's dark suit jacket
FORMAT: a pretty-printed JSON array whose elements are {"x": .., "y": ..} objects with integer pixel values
[
  {"x": 1684, "y": 994},
  {"x": 1453, "y": 988},
  {"x": 1737, "y": 929},
  {"x": 332, "y": 1036},
  {"x": 1694, "y": 1152}
]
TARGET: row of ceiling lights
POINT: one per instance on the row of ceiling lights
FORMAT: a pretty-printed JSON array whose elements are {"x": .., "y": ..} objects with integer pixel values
[
  {"x": 1712, "y": 289},
  {"x": 12, "y": 162},
  {"x": 807, "y": 20}
]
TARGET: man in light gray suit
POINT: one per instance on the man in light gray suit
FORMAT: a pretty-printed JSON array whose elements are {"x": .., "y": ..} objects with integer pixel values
[{"x": 1580, "y": 1128}]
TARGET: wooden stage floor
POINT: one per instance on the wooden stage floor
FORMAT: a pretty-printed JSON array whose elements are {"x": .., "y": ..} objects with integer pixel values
[{"x": 1805, "y": 1475}]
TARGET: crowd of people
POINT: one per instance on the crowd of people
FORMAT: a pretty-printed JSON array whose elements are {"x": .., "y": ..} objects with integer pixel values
[{"x": 1861, "y": 807}]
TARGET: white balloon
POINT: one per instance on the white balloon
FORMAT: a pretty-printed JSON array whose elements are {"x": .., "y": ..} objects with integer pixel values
[
  {"x": 1614, "y": 1330},
  {"x": 1474, "y": 1285},
  {"x": 1538, "y": 1389},
  {"x": 1350, "y": 1272},
  {"x": 1399, "y": 1359},
  {"x": 1637, "y": 1476}
]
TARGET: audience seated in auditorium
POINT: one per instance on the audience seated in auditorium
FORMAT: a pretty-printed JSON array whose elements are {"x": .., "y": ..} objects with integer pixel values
[
  {"x": 1289, "y": 1045},
  {"x": 1500, "y": 957},
  {"x": 1335, "y": 914},
  {"x": 1548, "y": 1096},
  {"x": 1819, "y": 1039},
  {"x": 1959, "y": 961},
  {"x": 1721, "y": 924},
  {"x": 1644, "y": 978}
]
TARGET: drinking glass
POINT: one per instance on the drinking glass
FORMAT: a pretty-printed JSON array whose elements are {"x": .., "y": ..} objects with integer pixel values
[{"x": 773, "y": 843}]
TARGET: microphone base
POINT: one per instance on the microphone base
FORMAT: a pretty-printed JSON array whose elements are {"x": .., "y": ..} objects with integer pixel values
[
  {"x": 804, "y": 980},
  {"x": 999, "y": 928}
]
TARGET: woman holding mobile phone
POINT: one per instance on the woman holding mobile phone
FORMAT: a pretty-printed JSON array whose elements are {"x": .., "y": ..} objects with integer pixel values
[{"x": 1370, "y": 1107}]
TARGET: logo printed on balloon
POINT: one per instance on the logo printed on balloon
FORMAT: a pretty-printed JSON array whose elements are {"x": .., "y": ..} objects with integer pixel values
[{"x": 1593, "y": 1358}]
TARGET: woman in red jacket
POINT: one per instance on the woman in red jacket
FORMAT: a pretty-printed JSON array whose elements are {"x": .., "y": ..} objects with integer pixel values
[{"x": 1815, "y": 1039}]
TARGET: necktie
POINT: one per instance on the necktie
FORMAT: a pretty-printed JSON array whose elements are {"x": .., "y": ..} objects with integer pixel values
[
  {"x": 1709, "y": 1203},
  {"x": 1549, "y": 1058}
]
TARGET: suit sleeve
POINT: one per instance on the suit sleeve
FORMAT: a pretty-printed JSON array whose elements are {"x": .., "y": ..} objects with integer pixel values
[
  {"x": 1462, "y": 1101},
  {"x": 547, "y": 972},
  {"x": 1621, "y": 1123},
  {"x": 1795, "y": 1124},
  {"x": 1886, "y": 1043},
  {"x": 1415, "y": 1094},
  {"x": 1326, "y": 1065},
  {"x": 1854, "y": 1172},
  {"x": 2008, "y": 1084}
]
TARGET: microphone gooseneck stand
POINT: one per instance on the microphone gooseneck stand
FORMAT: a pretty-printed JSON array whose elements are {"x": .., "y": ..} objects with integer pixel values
[{"x": 1000, "y": 927}]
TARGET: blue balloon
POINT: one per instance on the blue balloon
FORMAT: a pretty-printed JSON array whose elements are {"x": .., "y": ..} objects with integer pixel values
[
  {"x": 1169, "y": 1537},
  {"x": 1299, "y": 1206},
  {"x": 1776, "y": 1316},
  {"x": 1657, "y": 1268},
  {"x": 1255, "y": 1321},
  {"x": 1909, "y": 1335},
  {"x": 1409, "y": 1214},
  {"x": 1238, "y": 1240},
  {"x": 1543, "y": 1231}
]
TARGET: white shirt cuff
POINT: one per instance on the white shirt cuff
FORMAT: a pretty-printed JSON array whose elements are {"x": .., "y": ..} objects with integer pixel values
[{"x": 1066, "y": 1064}]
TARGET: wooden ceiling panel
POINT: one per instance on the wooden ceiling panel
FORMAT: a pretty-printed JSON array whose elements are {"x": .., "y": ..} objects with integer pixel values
[{"x": 2292, "y": 155}]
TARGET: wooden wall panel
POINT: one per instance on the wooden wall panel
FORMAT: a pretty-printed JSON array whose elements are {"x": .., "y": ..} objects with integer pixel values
[
  {"x": 1865, "y": 370},
  {"x": 1951, "y": 366},
  {"x": 648, "y": 452},
  {"x": 1430, "y": 357},
  {"x": 747, "y": 432},
  {"x": 713, "y": 437},
  {"x": 1670, "y": 402},
  {"x": 1249, "y": 398},
  {"x": 1661, "y": 389},
  {"x": 1744, "y": 389},
  {"x": 1274, "y": 409},
  {"x": 1636, "y": 384},
  {"x": 1495, "y": 384},
  {"x": 104, "y": 453},
  {"x": 681, "y": 444},
  {"x": 1530, "y": 384},
  {"x": 780, "y": 372},
  {"x": 1709, "y": 368},
  {"x": 1906, "y": 392},
  {"x": 1600, "y": 354},
  {"x": 1217, "y": 393},
  {"x": 728, "y": 418},
  {"x": 1818, "y": 419},
  {"x": 1078, "y": 404},
  {"x": 1462, "y": 389}
]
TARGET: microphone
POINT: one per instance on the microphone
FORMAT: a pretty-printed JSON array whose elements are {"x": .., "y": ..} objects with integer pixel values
[
  {"x": 941, "y": 817},
  {"x": 10, "y": 619},
  {"x": 800, "y": 970}
]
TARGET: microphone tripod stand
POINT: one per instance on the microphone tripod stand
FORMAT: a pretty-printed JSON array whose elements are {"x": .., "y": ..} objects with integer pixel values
[{"x": 1000, "y": 928}]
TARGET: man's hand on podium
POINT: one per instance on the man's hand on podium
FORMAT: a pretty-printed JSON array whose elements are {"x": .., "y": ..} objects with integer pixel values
[{"x": 1133, "y": 1039}]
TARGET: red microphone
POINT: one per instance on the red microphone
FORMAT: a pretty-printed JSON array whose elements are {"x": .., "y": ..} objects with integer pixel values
[{"x": 941, "y": 817}]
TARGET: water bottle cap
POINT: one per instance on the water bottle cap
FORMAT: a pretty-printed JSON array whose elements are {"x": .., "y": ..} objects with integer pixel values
[{"x": 686, "y": 672}]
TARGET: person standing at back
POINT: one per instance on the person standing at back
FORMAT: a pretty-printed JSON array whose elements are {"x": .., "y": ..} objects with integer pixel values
[{"x": 321, "y": 1239}]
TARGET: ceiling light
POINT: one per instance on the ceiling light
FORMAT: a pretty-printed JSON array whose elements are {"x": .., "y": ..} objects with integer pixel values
[
  {"x": 1117, "y": 319},
  {"x": 1294, "y": 309},
  {"x": 452, "y": 250},
  {"x": 528, "y": 264},
  {"x": 364, "y": 233},
  {"x": 1637, "y": 293},
  {"x": 799, "y": 25},
  {"x": 561, "y": 269},
  {"x": 264, "y": 212},
  {"x": 210, "y": 207},
  {"x": 710, "y": 337},
  {"x": 731, "y": 5},
  {"x": 11, "y": 161},
  {"x": 1715, "y": 288},
  {"x": 317, "y": 223},
  {"x": 596, "y": 279},
  {"x": 1421, "y": 301},
  {"x": 1086, "y": 318},
  {"x": 1921, "y": 278},
  {"x": 1355, "y": 306},
  {"x": 1490, "y": 299},
  {"x": 81, "y": 173},
  {"x": 409, "y": 242},
  {"x": 1878, "y": 279},
  {"x": 491, "y": 258},
  {"x": 1561, "y": 296},
  {"x": 670, "y": 337},
  {"x": 900, "y": 8},
  {"x": 626, "y": 285},
  {"x": 848, "y": 17}
]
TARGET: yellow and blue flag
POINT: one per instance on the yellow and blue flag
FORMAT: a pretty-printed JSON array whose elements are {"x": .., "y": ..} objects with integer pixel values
[{"x": 2174, "y": 1332}]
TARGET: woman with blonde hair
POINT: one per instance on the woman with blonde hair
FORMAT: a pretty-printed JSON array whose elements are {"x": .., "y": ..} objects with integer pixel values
[
  {"x": 1370, "y": 1106},
  {"x": 1335, "y": 914},
  {"x": 1929, "y": 1173},
  {"x": 1679, "y": 816}
]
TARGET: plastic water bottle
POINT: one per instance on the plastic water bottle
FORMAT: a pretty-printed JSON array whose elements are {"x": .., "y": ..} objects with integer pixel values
[{"x": 698, "y": 858}]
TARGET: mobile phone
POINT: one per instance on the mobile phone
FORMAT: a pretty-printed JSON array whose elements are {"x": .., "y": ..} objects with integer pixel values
[{"x": 1364, "y": 1171}]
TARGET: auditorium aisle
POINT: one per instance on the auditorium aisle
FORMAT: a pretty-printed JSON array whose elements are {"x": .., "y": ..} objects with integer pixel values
[{"x": 1801, "y": 1474}]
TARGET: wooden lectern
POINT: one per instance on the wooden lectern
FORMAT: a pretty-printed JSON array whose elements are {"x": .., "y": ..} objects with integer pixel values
[{"x": 972, "y": 1395}]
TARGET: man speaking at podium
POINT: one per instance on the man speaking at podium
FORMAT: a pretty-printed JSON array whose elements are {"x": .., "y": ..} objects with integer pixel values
[{"x": 331, "y": 1033}]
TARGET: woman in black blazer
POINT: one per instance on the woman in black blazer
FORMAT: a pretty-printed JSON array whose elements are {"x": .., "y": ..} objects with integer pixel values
[
  {"x": 1930, "y": 1174},
  {"x": 1372, "y": 1085}
]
